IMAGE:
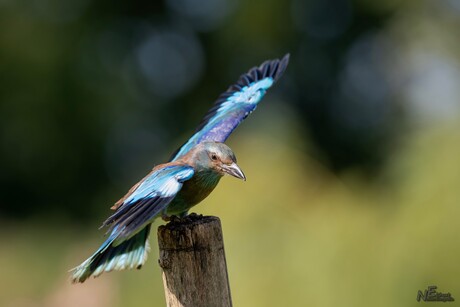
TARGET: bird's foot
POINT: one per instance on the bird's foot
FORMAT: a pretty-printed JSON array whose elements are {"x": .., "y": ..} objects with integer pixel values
[
  {"x": 171, "y": 218},
  {"x": 192, "y": 217},
  {"x": 174, "y": 219}
]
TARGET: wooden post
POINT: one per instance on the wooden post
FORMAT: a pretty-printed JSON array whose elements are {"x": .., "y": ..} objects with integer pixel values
[{"x": 192, "y": 259}]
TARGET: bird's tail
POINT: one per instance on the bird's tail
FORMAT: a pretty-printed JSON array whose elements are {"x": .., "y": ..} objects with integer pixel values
[{"x": 130, "y": 254}]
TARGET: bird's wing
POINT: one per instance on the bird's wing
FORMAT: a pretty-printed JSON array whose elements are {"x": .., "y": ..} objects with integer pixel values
[
  {"x": 147, "y": 200},
  {"x": 234, "y": 105}
]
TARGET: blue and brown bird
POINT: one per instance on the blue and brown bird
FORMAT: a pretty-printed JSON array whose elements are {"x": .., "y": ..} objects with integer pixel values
[{"x": 172, "y": 188}]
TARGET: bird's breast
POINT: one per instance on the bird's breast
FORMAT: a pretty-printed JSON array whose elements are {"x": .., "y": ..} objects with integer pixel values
[{"x": 193, "y": 191}]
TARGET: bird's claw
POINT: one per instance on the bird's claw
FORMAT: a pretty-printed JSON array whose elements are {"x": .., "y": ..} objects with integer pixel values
[
  {"x": 175, "y": 219},
  {"x": 192, "y": 217},
  {"x": 180, "y": 219},
  {"x": 171, "y": 218}
]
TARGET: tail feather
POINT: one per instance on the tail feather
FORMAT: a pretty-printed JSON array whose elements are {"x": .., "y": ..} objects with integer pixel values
[{"x": 129, "y": 254}]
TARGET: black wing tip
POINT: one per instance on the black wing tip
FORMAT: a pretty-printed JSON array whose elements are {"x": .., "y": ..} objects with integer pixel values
[
  {"x": 284, "y": 62},
  {"x": 271, "y": 68},
  {"x": 279, "y": 66}
]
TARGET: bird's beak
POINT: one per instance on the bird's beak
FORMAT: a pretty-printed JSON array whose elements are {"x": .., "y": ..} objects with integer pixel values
[{"x": 234, "y": 170}]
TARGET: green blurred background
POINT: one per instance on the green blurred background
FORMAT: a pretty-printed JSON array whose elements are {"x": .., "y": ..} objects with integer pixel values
[{"x": 352, "y": 160}]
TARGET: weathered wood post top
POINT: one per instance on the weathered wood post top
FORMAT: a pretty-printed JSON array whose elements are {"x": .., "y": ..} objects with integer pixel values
[{"x": 192, "y": 259}]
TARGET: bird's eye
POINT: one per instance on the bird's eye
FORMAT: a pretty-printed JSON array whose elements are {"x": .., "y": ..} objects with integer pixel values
[{"x": 213, "y": 157}]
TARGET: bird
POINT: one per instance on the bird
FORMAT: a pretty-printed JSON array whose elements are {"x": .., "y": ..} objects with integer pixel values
[{"x": 170, "y": 189}]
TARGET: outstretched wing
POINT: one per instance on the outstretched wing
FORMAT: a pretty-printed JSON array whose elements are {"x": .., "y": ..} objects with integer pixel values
[
  {"x": 147, "y": 200},
  {"x": 234, "y": 105}
]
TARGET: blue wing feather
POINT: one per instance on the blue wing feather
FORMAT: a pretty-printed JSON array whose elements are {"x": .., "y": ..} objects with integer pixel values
[
  {"x": 147, "y": 201},
  {"x": 234, "y": 105},
  {"x": 127, "y": 245}
]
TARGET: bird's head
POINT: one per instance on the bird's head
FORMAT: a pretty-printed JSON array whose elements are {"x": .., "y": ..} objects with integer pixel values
[{"x": 217, "y": 157}]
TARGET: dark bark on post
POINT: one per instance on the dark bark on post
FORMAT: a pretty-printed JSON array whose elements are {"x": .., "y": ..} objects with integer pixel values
[{"x": 192, "y": 259}]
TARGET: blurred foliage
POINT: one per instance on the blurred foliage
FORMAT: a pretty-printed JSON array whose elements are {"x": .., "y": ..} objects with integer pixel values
[
  {"x": 95, "y": 92},
  {"x": 358, "y": 143}
]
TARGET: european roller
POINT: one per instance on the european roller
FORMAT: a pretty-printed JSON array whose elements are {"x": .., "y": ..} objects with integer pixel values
[{"x": 172, "y": 188}]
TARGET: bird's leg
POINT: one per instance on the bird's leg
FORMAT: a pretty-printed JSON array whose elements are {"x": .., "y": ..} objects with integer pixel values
[{"x": 183, "y": 214}]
